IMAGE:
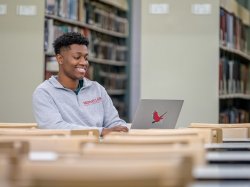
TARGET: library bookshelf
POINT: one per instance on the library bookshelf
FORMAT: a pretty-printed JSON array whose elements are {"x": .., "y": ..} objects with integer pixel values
[
  {"x": 234, "y": 69},
  {"x": 105, "y": 24}
]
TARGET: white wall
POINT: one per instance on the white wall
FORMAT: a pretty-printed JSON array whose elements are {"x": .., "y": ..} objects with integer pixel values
[
  {"x": 179, "y": 58},
  {"x": 21, "y": 60}
]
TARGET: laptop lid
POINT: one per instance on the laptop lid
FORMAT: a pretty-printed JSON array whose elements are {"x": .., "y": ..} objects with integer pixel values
[{"x": 157, "y": 114}]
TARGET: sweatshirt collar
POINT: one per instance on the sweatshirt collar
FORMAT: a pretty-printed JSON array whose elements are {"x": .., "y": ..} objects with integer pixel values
[{"x": 53, "y": 80}]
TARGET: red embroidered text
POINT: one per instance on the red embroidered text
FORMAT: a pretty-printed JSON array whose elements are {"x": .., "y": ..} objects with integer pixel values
[{"x": 93, "y": 101}]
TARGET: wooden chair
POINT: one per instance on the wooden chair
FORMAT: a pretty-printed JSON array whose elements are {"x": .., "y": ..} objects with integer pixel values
[
  {"x": 10, "y": 154},
  {"x": 14, "y": 147},
  {"x": 139, "y": 145},
  {"x": 197, "y": 153},
  {"x": 106, "y": 172}
]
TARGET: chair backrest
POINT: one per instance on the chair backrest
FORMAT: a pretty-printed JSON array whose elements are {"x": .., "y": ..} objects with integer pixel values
[
  {"x": 18, "y": 125},
  {"x": 196, "y": 152},
  {"x": 14, "y": 146},
  {"x": 106, "y": 172},
  {"x": 11, "y": 152},
  {"x": 150, "y": 145},
  {"x": 47, "y": 132},
  {"x": 61, "y": 144}
]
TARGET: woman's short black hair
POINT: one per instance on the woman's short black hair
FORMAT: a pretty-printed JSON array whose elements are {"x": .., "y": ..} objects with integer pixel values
[{"x": 68, "y": 39}]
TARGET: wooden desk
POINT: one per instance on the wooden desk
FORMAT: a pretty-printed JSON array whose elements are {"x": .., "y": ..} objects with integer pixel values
[
  {"x": 240, "y": 130},
  {"x": 151, "y": 139},
  {"x": 208, "y": 135},
  {"x": 222, "y": 125}
]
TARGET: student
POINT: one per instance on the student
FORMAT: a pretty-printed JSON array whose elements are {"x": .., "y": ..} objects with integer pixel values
[{"x": 71, "y": 101}]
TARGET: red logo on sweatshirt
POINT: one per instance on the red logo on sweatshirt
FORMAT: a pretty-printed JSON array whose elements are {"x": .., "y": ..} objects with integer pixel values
[{"x": 93, "y": 101}]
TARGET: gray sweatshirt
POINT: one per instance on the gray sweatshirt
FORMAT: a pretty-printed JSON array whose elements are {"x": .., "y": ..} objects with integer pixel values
[{"x": 56, "y": 107}]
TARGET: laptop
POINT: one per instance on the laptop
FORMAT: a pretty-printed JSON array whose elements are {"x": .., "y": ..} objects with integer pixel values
[{"x": 157, "y": 114}]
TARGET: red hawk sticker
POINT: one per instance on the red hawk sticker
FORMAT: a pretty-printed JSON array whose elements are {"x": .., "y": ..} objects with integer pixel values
[{"x": 157, "y": 118}]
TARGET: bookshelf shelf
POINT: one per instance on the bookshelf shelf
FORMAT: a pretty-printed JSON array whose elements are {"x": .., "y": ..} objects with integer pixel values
[
  {"x": 112, "y": 75},
  {"x": 49, "y": 53},
  {"x": 118, "y": 4},
  {"x": 91, "y": 27},
  {"x": 116, "y": 92},
  {"x": 107, "y": 62},
  {"x": 235, "y": 96},
  {"x": 236, "y": 52}
]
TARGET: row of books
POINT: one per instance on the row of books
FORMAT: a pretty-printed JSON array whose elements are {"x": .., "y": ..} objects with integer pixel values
[
  {"x": 106, "y": 47},
  {"x": 234, "y": 76},
  {"x": 107, "y": 50},
  {"x": 233, "y": 32},
  {"x": 62, "y": 8},
  {"x": 100, "y": 17},
  {"x": 99, "y": 47},
  {"x": 234, "y": 115},
  {"x": 52, "y": 31},
  {"x": 111, "y": 77},
  {"x": 90, "y": 12},
  {"x": 115, "y": 81}
]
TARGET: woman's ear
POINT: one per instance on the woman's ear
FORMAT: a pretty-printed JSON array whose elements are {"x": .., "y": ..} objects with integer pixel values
[{"x": 59, "y": 59}]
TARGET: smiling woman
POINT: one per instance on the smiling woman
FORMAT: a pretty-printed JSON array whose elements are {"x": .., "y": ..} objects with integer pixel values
[{"x": 70, "y": 100}]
